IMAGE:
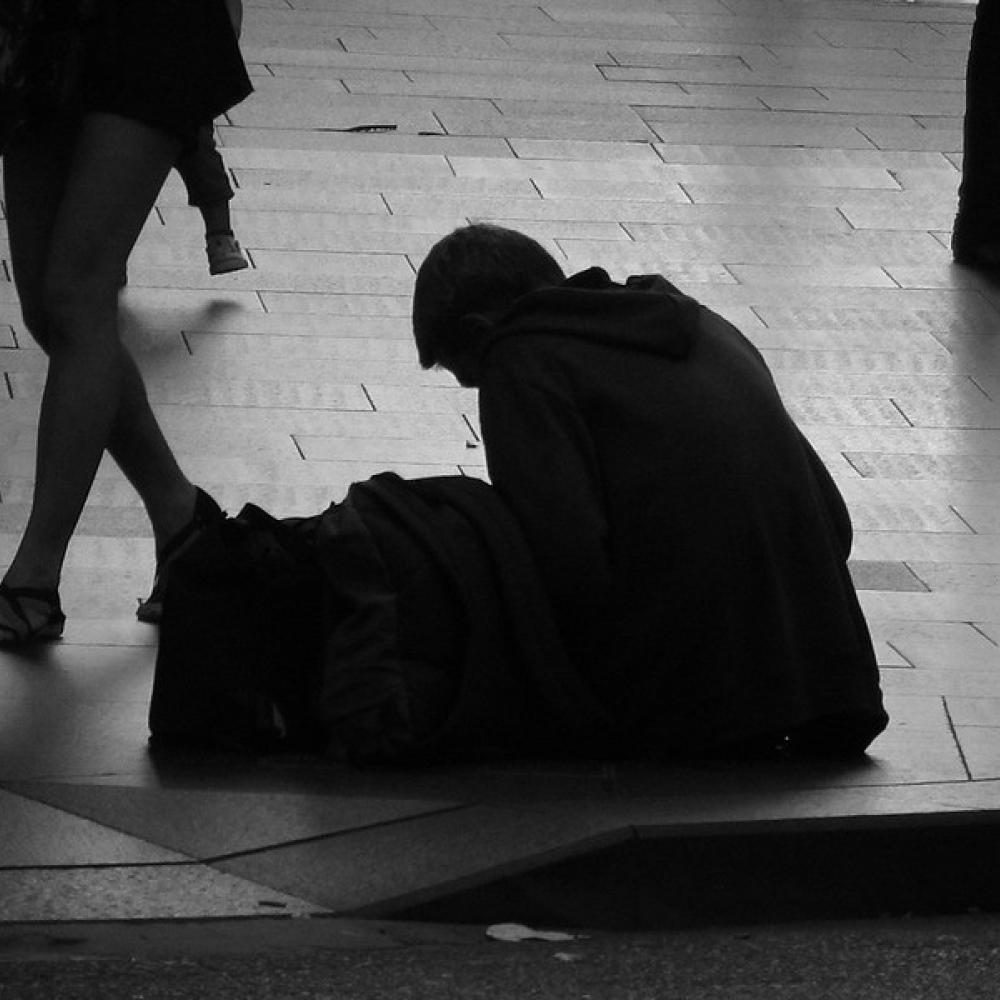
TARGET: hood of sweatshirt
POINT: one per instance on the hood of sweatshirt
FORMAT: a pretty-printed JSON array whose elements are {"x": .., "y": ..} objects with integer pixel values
[{"x": 646, "y": 314}]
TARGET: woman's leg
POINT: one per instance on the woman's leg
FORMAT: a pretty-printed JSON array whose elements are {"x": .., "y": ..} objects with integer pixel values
[
  {"x": 93, "y": 395},
  {"x": 977, "y": 225}
]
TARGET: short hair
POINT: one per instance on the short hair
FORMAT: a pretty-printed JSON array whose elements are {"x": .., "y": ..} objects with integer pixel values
[{"x": 475, "y": 269}]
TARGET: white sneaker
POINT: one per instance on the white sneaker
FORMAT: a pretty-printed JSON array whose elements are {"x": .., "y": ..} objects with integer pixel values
[{"x": 224, "y": 255}]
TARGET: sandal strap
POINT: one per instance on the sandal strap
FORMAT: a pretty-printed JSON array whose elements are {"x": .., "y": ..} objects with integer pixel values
[{"x": 14, "y": 596}]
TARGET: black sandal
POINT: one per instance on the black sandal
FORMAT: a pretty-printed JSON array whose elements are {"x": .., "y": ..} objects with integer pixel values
[
  {"x": 206, "y": 513},
  {"x": 25, "y": 632}
]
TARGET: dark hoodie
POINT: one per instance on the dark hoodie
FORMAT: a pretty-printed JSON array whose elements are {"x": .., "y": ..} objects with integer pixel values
[{"x": 691, "y": 541}]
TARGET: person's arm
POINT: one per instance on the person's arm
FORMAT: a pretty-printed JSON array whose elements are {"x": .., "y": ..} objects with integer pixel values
[
  {"x": 235, "y": 8},
  {"x": 541, "y": 460}
]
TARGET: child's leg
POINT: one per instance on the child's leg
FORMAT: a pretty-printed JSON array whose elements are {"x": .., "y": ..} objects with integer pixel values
[
  {"x": 204, "y": 175},
  {"x": 209, "y": 191}
]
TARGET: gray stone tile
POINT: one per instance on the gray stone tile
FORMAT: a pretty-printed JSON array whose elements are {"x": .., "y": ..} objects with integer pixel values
[
  {"x": 945, "y": 140},
  {"x": 388, "y": 450},
  {"x": 400, "y": 399},
  {"x": 944, "y": 314},
  {"x": 334, "y": 162},
  {"x": 799, "y": 277},
  {"x": 974, "y": 712},
  {"x": 930, "y": 550},
  {"x": 982, "y": 519},
  {"x": 976, "y": 578},
  {"x": 887, "y": 657},
  {"x": 926, "y": 712},
  {"x": 908, "y": 755},
  {"x": 339, "y": 305},
  {"x": 597, "y": 169},
  {"x": 328, "y": 265},
  {"x": 943, "y": 645},
  {"x": 209, "y": 822},
  {"x": 238, "y": 393},
  {"x": 851, "y": 410},
  {"x": 797, "y": 807},
  {"x": 37, "y": 835},
  {"x": 946, "y": 683},
  {"x": 366, "y": 281},
  {"x": 414, "y": 136},
  {"x": 289, "y": 61},
  {"x": 157, "y": 892},
  {"x": 626, "y": 127},
  {"x": 951, "y": 467},
  {"x": 849, "y": 361},
  {"x": 260, "y": 182},
  {"x": 991, "y": 629},
  {"x": 897, "y": 576},
  {"x": 552, "y": 234},
  {"x": 931, "y": 441},
  {"x": 86, "y": 713},
  {"x": 418, "y": 860},
  {"x": 981, "y": 748},
  {"x": 950, "y": 409},
  {"x": 423, "y": 43},
  {"x": 534, "y": 209},
  {"x": 646, "y": 192},
  {"x": 940, "y": 606},
  {"x": 262, "y": 345},
  {"x": 329, "y": 423}
]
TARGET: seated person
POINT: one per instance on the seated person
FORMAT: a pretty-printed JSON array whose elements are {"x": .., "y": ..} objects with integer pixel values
[
  {"x": 659, "y": 567},
  {"x": 690, "y": 541}
]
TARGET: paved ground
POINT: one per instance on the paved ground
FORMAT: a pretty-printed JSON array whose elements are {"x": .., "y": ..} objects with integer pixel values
[
  {"x": 791, "y": 164},
  {"x": 940, "y": 959}
]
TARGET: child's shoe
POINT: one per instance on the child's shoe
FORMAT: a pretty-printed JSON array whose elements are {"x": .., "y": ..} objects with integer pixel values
[{"x": 224, "y": 254}]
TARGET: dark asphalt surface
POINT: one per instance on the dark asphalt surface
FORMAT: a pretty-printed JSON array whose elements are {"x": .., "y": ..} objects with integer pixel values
[{"x": 913, "y": 959}]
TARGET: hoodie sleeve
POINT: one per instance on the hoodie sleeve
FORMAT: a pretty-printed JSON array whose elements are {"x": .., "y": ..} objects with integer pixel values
[{"x": 541, "y": 460}]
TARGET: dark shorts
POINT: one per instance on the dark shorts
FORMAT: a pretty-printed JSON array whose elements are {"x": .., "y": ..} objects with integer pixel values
[{"x": 171, "y": 64}]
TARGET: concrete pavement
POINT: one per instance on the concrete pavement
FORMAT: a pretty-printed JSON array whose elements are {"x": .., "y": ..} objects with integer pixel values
[{"x": 791, "y": 164}]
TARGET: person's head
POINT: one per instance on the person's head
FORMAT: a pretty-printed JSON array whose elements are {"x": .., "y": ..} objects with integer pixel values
[{"x": 468, "y": 279}]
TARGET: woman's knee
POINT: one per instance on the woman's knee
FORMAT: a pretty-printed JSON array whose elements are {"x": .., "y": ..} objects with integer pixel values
[{"x": 73, "y": 311}]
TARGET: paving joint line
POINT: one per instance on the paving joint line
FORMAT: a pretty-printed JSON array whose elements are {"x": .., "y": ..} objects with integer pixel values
[{"x": 954, "y": 735}]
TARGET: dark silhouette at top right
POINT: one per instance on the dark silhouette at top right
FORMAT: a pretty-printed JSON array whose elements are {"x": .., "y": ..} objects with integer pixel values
[{"x": 975, "y": 240}]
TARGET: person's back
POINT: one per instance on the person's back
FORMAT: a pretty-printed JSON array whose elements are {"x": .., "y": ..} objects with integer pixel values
[{"x": 692, "y": 544}]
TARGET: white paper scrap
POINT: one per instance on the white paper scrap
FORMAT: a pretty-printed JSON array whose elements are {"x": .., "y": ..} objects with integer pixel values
[{"x": 518, "y": 932}]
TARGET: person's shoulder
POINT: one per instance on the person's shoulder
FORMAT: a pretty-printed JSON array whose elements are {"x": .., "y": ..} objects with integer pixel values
[{"x": 539, "y": 360}]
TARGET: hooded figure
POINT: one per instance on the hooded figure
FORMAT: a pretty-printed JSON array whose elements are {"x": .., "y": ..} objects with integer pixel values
[{"x": 692, "y": 544}]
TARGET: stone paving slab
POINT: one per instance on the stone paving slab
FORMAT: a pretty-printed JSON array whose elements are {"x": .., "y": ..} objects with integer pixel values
[{"x": 795, "y": 167}]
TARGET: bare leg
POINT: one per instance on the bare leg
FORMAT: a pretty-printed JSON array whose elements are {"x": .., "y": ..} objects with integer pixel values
[{"x": 66, "y": 259}]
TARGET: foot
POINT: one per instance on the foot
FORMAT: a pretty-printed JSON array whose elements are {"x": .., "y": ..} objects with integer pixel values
[
  {"x": 206, "y": 513},
  {"x": 985, "y": 255},
  {"x": 224, "y": 254},
  {"x": 974, "y": 247},
  {"x": 29, "y": 614}
]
